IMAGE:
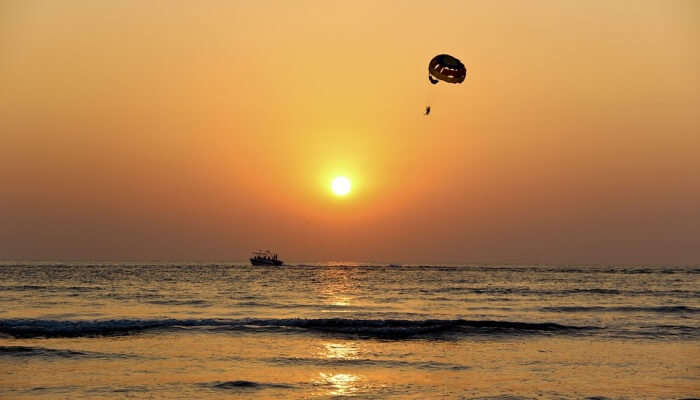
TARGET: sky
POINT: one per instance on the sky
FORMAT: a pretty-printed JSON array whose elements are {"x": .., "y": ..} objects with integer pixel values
[{"x": 202, "y": 131}]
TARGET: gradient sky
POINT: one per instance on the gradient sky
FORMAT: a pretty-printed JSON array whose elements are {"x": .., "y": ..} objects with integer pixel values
[{"x": 182, "y": 130}]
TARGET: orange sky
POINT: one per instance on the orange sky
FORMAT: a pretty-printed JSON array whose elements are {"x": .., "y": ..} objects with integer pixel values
[{"x": 177, "y": 130}]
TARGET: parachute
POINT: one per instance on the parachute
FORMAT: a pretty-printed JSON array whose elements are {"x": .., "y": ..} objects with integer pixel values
[{"x": 444, "y": 67}]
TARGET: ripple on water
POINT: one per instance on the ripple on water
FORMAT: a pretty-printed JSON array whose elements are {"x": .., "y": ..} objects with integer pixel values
[{"x": 246, "y": 385}]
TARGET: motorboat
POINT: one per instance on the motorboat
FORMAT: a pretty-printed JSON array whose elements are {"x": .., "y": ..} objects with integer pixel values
[{"x": 265, "y": 257}]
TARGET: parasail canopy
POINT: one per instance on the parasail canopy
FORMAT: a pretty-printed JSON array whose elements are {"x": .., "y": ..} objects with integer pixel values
[{"x": 444, "y": 67}]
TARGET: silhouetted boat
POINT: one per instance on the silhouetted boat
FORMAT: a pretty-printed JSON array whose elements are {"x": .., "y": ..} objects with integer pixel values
[{"x": 265, "y": 257}]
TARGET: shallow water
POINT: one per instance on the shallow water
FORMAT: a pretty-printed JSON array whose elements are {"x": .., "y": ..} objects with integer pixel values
[{"x": 329, "y": 331}]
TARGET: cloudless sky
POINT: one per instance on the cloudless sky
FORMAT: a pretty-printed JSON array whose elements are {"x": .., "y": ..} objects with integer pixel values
[{"x": 182, "y": 130}]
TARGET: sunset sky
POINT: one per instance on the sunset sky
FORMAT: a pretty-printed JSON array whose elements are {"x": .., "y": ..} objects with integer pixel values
[{"x": 181, "y": 130}]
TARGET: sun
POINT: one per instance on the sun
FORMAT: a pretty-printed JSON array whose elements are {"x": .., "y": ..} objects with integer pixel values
[{"x": 341, "y": 186}]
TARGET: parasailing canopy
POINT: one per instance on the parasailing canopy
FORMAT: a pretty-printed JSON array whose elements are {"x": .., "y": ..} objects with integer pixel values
[{"x": 444, "y": 67}]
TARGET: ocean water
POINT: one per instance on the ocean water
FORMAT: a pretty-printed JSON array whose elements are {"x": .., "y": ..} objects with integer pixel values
[{"x": 339, "y": 330}]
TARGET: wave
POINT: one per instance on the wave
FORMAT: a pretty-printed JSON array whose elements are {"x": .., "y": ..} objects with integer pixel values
[
  {"x": 364, "y": 363},
  {"x": 658, "y": 309},
  {"x": 197, "y": 303},
  {"x": 299, "y": 305},
  {"x": 526, "y": 291},
  {"x": 247, "y": 385},
  {"x": 502, "y": 397},
  {"x": 30, "y": 351},
  {"x": 581, "y": 269},
  {"x": 379, "y": 328},
  {"x": 48, "y": 288}
]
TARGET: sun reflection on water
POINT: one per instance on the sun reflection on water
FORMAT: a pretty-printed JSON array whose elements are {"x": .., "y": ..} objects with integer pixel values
[
  {"x": 337, "y": 289},
  {"x": 340, "y": 351},
  {"x": 341, "y": 301},
  {"x": 339, "y": 384}
]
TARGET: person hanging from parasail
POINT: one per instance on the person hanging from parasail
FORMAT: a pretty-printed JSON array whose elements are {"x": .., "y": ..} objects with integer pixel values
[{"x": 446, "y": 68}]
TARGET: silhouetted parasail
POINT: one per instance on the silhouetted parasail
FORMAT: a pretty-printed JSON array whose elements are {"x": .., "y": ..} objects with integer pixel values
[{"x": 444, "y": 67}]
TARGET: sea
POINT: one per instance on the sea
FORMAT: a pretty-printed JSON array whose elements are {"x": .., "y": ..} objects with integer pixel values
[{"x": 348, "y": 330}]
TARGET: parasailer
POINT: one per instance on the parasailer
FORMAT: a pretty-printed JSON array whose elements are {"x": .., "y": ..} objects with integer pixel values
[{"x": 444, "y": 67}]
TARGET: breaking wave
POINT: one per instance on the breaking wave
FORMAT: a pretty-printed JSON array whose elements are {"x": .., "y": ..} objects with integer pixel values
[{"x": 380, "y": 328}]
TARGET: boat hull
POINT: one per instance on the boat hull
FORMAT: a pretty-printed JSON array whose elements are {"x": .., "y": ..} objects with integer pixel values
[{"x": 260, "y": 261}]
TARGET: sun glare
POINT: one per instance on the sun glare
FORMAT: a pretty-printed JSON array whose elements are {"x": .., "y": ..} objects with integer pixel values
[{"x": 341, "y": 186}]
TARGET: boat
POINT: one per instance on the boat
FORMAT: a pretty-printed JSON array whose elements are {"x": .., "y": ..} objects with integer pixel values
[{"x": 265, "y": 257}]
